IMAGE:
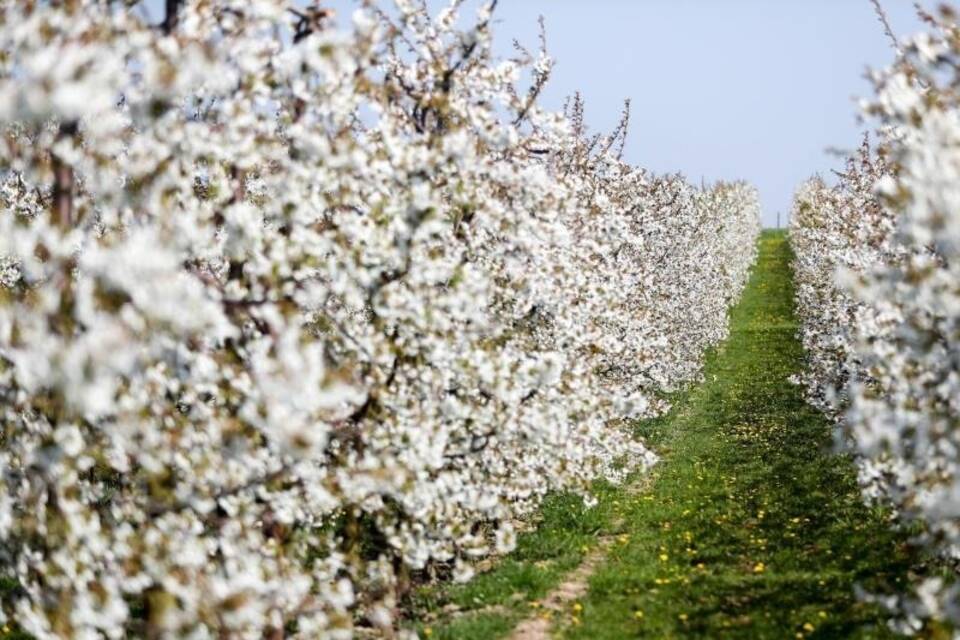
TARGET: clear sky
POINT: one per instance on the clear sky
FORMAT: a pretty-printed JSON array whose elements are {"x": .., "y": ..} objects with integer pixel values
[
  {"x": 721, "y": 89},
  {"x": 752, "y": 89}
]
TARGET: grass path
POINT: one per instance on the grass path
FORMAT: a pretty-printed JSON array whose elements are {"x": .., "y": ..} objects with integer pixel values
[
  {"x": 749, "y": 528},
  {"x": 752, "y": 529}
]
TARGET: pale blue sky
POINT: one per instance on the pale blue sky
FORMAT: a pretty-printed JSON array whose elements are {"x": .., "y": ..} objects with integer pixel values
[{"x": 752, "y": 89}]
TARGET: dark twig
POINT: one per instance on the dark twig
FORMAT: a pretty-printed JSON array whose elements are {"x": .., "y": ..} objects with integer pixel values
[
  {"x": 887, "y": 29},
  {"x": 171, "y": 16},
  {"x": 63, "y": 181}
]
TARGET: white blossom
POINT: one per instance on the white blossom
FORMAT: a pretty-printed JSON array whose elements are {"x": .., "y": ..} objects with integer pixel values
[
  {"x": 878, "y": 292},
  {"x": 289, "y": 312}
]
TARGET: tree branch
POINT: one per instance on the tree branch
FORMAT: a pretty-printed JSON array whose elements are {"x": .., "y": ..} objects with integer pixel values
[
  {"x": 63, "y": 181},
  {"x": 171, "y": 16}
]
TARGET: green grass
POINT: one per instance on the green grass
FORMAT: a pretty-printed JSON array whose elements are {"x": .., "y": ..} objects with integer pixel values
[
  {"x": 753, "y": 528},
  {"x": 750, "y": 526},
  {"x": 492, "y": 603}
]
